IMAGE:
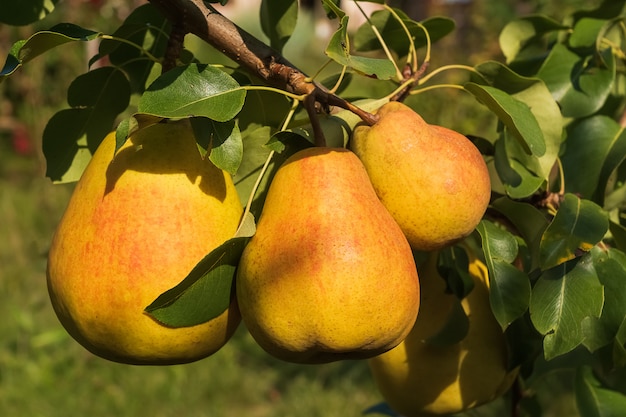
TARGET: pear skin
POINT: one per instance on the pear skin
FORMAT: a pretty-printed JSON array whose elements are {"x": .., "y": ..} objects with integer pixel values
[
  {"x": 432, "y": 180},
  {"x": 136, "y": 224},
  {"x": 328, "y": 275},
  {"x": 420, "y": 379}
]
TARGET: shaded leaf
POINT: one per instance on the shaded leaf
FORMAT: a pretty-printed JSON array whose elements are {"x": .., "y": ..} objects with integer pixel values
[
  {"x": 222, "y": 140},
  {"x": 577, "y": 226},
  {"x": 610, "y": 266},
  {"x": 509, "y": 287},
  {"x": 594, "y": 400},
  {"x": 278, "y": 21},
  {"x": 25, "y": 12},
  {"x": 43, "y": 41},
  {"x": 561, "y": 299},
  {"x": 193, "y": 90},
  {"x": 523, "y": 33}
]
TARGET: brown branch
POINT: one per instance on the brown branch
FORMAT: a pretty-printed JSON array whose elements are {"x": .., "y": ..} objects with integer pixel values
[{"x": 252, "y": 54}]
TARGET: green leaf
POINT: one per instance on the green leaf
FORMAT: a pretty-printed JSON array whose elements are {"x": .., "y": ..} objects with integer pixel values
[
  {"x": 599, "y": 144},
  {"x": 518, "y": 181},
  {"x": 278, "y": 21},
  {"x": 223, "y": 139},
  {"x": 193, "y": 90},
  {"x": 561, "y": 299},
  {"x": 43, "y": 41},
  {"x": 577, "y": 226},
  {"x": 145, "y": 30},
  {"x": 25, "y": 12},
  {"x": 523, "y": 33},
  {"x": 528, "y": 221},
  {"x": 206, "y": 292},
  {"x": 97, "y": 98},
  {"x": 394, "y": 35},
  {"x": 579, "y": 83},
  {"x": 610, "y": 266},
  {"x": 515, "y": 115},
  {"x": 585, "y": 33},
  {"x": 594, "y": 400},
  {"x": 509, "y": 287},
  {"x": 338, "y": 49}
]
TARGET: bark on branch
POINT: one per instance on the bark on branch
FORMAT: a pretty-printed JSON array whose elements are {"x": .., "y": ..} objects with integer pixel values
[{"x": 256, "y": 57}]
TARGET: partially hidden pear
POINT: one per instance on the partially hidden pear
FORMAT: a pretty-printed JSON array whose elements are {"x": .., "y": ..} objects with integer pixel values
[
  {"x": 433, "y": 180},
  {"x": 136, "y": 224},
  {"x": 328, "y": 274},
  {"x": 421, "y": 378}
]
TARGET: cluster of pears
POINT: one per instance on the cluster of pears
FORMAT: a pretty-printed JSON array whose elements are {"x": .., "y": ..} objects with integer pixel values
[{"x": 329, "y": 275}]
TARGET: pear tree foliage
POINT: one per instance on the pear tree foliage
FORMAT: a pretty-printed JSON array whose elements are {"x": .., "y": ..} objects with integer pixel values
[{"x": 554, "y": 236}]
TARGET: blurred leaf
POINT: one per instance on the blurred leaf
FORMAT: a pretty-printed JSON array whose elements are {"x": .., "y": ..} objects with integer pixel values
[
  {"x": 41, "y": 42},
  {"x": 618, "y": 233},
  {"x": 145, "y": 30},
  {"x": 515, "y": 114},
  {"x": 523, "y": 33},
  {"x": 593, "y": 400},
  {"x": 396, "y": 39},
  {"x": 193, "y": 90},
  {"x": 579, "y": 83},
  {"x": 223, "y": 139},
  {"x": 509, "y": 287},
  {"x": 25, "y": 12},
  {"x": 577, "y": 226},
  {"x": 561, "y": 299},
  {"x": 338, "y": 49},
  {"x": 452, "y": 265},
  {"x": 206, "y": 292},
  {"x": 585, "y": 33},
  {"x": 518, "y": 181},
  {"x": 97, "y": 98},
  {"x": 381, "y": 408},
  {"x": 278, "y": 21},
  {"x": 610, "y": 266},
  {"x": 608, "y": 9},
  {"x": 599, "y": 144}
]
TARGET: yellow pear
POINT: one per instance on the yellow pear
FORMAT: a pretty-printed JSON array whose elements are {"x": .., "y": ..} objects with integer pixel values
[
  {"x": 328, "y": 274},
  {"x": 135, "y": 226},
  {"x": 433, "y": 180},
  {"x": 418, "y": 378}
]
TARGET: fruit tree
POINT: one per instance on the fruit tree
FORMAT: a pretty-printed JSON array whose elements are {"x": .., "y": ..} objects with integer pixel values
[{"x": 219, "y": 185}]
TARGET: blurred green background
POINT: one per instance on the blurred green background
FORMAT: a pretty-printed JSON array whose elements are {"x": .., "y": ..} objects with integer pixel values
[{"x": 43, "y": 372}]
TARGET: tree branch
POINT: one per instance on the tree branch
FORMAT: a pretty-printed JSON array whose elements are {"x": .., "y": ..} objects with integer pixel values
[{"x": 256, "y": 57}]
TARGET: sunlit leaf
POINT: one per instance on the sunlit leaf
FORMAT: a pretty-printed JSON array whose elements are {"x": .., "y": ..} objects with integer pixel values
[
  {"x": 522, "y": 33},
  {"x": 193, "y": 90},
  {"x": 222, "y": 139},
  {"x": 509, "y": 287},
  {"x": 561, "y": 299},
  {"x": 577, "y": 82},
  {"x": 577, "y": 226},
  {"x": 516, "y": 115}
]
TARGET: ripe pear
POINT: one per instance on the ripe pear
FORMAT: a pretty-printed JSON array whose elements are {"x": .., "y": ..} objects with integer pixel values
[
  {"x": 418, "y": 378},
  {"x": 328, "y": 274},
  {"x": 136, "y": 224},
  {"x": 432, "y": 180}
]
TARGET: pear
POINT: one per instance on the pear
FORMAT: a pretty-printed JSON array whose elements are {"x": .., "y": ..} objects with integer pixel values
[
  {"x": 419, "y": 378},
  {"x": 328, "y": 275},
  {"x": 135, "y": 226},
  {"x": 432, "y": 180}
]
